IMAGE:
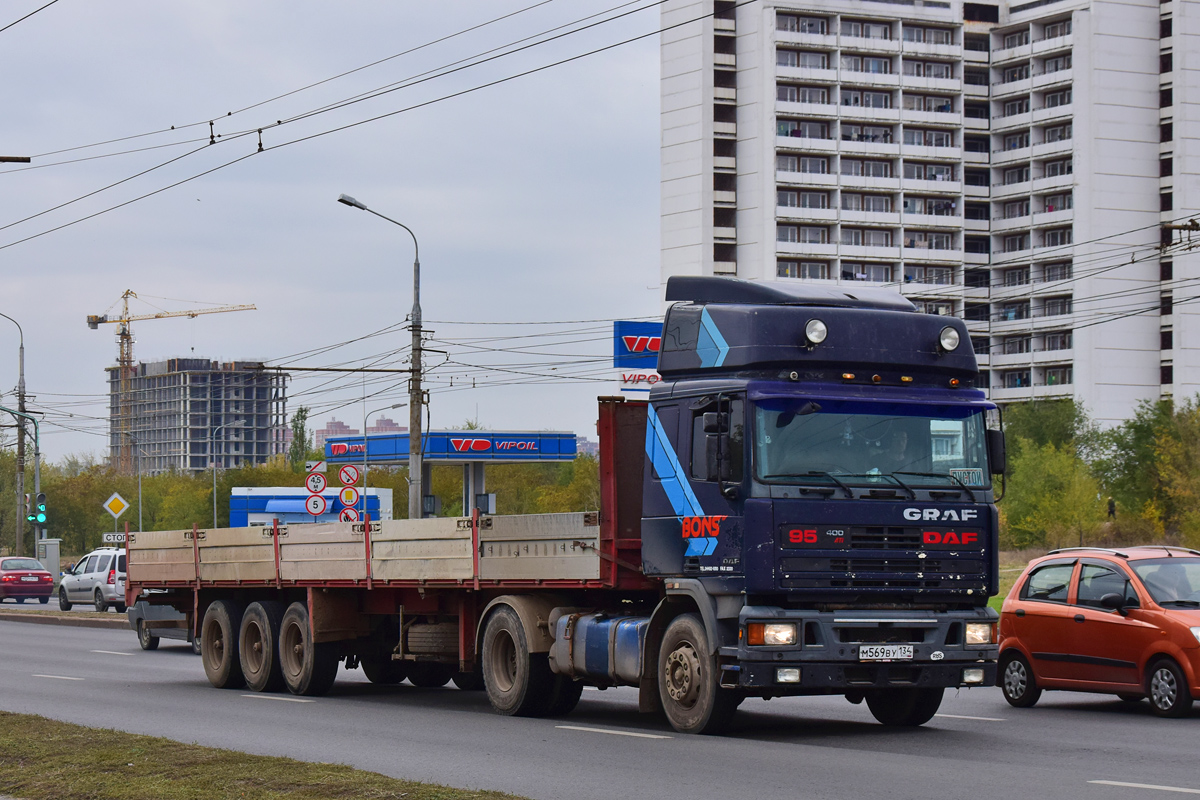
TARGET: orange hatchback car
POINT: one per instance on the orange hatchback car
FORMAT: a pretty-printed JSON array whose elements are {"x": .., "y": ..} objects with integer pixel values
[{"x": 1123, "y": 622}]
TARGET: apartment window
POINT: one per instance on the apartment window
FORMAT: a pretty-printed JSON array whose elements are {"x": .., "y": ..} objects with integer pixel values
[
  {"x": 872, "y": 64},
  {"x": 928, "y": 172},
  {"x": 928, "y": 240},
  {"x": 1059, "y": 133},
  {"x": 932, "y": 103},
  {"x": 814, "y": 199},
  {"x": 1164, "y": 62},
  {"x": 724, "y": 148},
  {"x": 1057, "y": 306},
  {"x": 1056, "y": 168},
  {"x": 1016, "y": 379},
  {"x": 1058, "y": 272},
  {"x": 1018, "y": 106},
  {"x": 1165, "y": 167},
  {"x": 976, "y": 312},
  {"x": 866, "y": 133},
  {"x": 929, "y": 205},
  {"x": 1058, "y": 202},
  {"x": 1057, "y": 376},
  {"x": 1166, "y": 132},
  {"x": 975, "y": 278},
  {"x": 1058, "y": 341},
  {"x": 787, "y": 199},
  {"x": 976, "y": 110},
  {"x": 1166, "y": 374},
  {"x": 937, "y": 275},
  {"x": 866, "y": 202},
  {"x": 1057, "y": 237},
  {"x": 724, "y": 182},
  {"x": 976, "y": 77},
  {"x": 976, "y": 177},
  {"x": 1013, "y": 311},
  {"x": 811, "y": 270},
  {"x": 1017, "y": 344},
  {"x": 814, "y": 165},
  {"x": 1056, "y": 99},
  {"x": 1015, "y": 141},
  {"x": 802, "y": 129},
  {"x": 1058, "y": 63},
  {"x": 976, "y": 144},
  {"x": 1016, "y": 277},
  {"x": 794, "y": 24},
  {"x": 1016, "y": 208},
  {"x": 813, "y": 234},
  {"x": 1165, "y": 201},
  {"x": 1166, "y": 341},
  {"x": 928, "y": 69},
  {"x": 787, "y": 233},
  {"x": 866, "y": 237},
  {"x": 928, "y": 138},
  {"x": 1014, "y": 175},
  {"x": 725, "y": 78},
  {"x": 1016, "y": 242},
  {"x": 976, "y": 211},
  {"x": 1166, "y": 270},
  {"x": 878, "y": 273},
  {"x": 980, "y": 345},
  {"x": 1016, "y": 39},
  {"x": 1017, "y": 73},
  {"x": 866, "y": 99},
  {"x": 870, "y": 169},
  {"x": 802, "y": 58},
  {"x": 866, "y": 30},
  {"x": 1165, "y": 98},
  {"x": 976, "y": 42},
  {"x": 787, "y": 163},
  {"x": 1055, "y": 29},
  {"x": 941, "y": 308}
]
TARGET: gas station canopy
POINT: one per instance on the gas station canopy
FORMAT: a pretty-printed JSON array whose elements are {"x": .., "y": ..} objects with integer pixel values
[{"x": 456, "y": 447}]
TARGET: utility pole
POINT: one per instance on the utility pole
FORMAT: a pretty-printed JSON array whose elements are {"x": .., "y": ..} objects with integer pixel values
[{"x": 19, "y": 549}]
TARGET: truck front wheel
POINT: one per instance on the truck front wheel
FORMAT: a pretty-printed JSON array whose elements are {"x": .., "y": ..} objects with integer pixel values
[
  {"x": 518, "y": 683},
  {"x": 904, "y": 707},
  {"x": 219, "y": 635},
  {"x": 693, "y": 700},
  {"x": 258, "y": 646},
  {"x": 308, "y": 668}
]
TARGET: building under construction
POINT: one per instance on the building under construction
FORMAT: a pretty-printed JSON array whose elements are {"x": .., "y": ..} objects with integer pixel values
[{"x": 171, "y": 410}]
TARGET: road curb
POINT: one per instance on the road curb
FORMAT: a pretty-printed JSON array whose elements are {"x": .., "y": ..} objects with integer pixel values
[{"x": 121, "y": 621}]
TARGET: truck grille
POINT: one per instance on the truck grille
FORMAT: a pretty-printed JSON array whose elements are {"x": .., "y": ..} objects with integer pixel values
[
  {"x": 884, "y": 538},
  {"x": 883, "y": 572}
]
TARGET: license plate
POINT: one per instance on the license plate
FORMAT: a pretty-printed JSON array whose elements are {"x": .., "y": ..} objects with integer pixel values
[
  {"x": 30, "y": 578},
  {"x": 885, "y": 652}
]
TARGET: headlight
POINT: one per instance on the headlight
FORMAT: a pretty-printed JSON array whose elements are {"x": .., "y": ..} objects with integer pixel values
[
  {"x": 787, "y": 675},
  {"x": 815, "y": 331},
  {"x": 779, "y": 633},
  {"x": 979, "y": 633},
  {"x": 1196, "y": 633},
  {"x": 948, "y": 338},
  {"x": 972, "y": 675}
]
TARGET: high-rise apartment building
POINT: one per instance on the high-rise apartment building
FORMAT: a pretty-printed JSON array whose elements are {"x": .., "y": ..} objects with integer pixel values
[
  {"x": 1010, "y": 164},
  {"x": 171, "y": 411}
]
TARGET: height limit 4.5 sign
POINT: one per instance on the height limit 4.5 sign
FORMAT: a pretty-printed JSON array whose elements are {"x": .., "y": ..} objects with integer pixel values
[{"x": 315, "y": 482}]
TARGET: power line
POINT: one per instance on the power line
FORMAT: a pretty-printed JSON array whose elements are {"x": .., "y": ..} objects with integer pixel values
[{"x": 27, "y": 16}]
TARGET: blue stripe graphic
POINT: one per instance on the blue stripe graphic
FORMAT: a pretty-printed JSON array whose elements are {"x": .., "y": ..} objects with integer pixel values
[
  {"x": 666, "y": 466},
  {"x": 711, "y": 345}
]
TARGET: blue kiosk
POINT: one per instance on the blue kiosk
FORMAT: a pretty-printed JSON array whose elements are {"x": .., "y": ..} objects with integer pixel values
[{"x": 472, "y": 450}]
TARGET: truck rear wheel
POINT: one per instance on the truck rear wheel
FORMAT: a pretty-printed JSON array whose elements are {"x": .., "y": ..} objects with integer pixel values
[
  {"x": 564, "y": 696},
  {"x": 469, "y": 681},
  {"x": 258, "y": 648},
  {"x": 219, "y": 635},
  {"x": 518, "y": 682},
  {"x": 687, "y": 679},
  {"x": 382, "y": 669},
  {"x": 904, "y": 707},
  {"x": 308, "y": 668}
]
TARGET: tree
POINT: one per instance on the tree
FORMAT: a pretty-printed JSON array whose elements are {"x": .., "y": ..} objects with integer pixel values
[
  {"x": 1053, "y": 499},
  {"x": 301, "y": 441}
]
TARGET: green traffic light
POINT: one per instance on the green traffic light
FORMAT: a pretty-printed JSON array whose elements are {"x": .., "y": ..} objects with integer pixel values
[{"x": 41, "y": 517}]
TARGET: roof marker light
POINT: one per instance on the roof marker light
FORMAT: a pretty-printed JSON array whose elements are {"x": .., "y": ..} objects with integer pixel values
[
  {"x": 948, "y": 339},
  {"x": 815, "y": 331},
  {"x": 847, "y": 376},
  {"x": 906, "y": 379}
]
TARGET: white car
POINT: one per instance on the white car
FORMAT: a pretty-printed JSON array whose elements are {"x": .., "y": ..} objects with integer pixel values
[{"x": 98, "y": 578}]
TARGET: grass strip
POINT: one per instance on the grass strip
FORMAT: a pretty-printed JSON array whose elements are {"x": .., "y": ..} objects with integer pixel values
[{"x": 42, "y": 759}]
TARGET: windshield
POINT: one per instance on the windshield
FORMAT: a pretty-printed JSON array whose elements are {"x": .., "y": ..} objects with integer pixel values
[
  {"x": 1170, "y": 580},
  {"x": 859, "y": 442},
  {"x": 20, "y": 563}
]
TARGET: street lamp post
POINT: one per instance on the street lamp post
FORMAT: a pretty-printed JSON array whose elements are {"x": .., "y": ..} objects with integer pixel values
[
  {"x": 212, "y": 435},
  {"x": 365, "y": 418},
  {"x": 415, "y": 449},
  {"x": 20, "y": 435},
  {"x": 37, "y": 454}
]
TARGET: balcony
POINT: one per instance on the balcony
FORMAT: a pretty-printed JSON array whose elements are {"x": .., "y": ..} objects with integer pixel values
[
  {"x": 853, "y": 147},
  {"x": 1060, "y": 148},
  {"x": 979, "y": 57},
  {"x": 869, "y": 114},
  {"x": 857, "y": 251},
  {"x": 1022, "y": 86},
  {"x": 932, "y": 187},
  {"x": 1047, "y": 218},
  {"x": 976, "y": 91},
  {"x": 799, "y": 214},
  {"x": 1022, "y": 51},
  {"x": 1012, "y": 257},
  {"x": 932, "y": 84},
  {"x": 1002, "y": 122},
  {"x": 806, "y": 178},
  {"x": 861, "y": 44},
  {"x": 1010, "y": 224},
  {"x": 950, "y": 118},
  {"x": 720, "y": 24},
  {"x": 806, "y": 249},
  {"x": 808, "y": 74},
  {"x": 977, "y": 192},
  {"x": 725, "y": 233},
  {"x": 881, "y": 219},
  {"x": 974, "y": 158},
  {"x": 1005, "y": 190},
  {"x": 822, "y": 110},
  {"x": 1062, "y": 76},
  {"x": 724, "y": 60},
  {"x": 1016, "y": 155},
  {"x": 1055, "y": 182},
  {"x": 976, "y": 259},
  {"x": 932, "y": 153},
  {"x": 1053, "y": 113},
  {"x": 929, "y": 255},
  {"x": 724, "y": 162},
  {"x": 819, "y": 41},
  {"x": 725, "y": 197},
  {"x": 953, "y": 51},
  {"x": 977, "y": 225},
  {"x": 725, "y": 128},
  {"x": 725, "y": 93},
  {"x": 886, "y": 80},
  {"x": 869, "y": 182},
  {"x": 980, "y": 124},
  {"x": 808, "y": 145},
  {"x": 949, "y": 221},
  {"x": 1043, "y": 46}
]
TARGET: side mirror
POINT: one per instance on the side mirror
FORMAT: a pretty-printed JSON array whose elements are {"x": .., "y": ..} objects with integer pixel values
[
  {"x": 997, "y": 456},
  {"x": 1114, "y": 602},
  {"x": 716, "y": 422},
  {"x": 69, "y": 568}
]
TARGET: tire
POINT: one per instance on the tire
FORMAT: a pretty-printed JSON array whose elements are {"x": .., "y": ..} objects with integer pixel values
[
  {"x": 196, "y": 646},
  {"x": 564, "y": 696},
  {"x": 1130, "y": 698},
  {"x": 518, "y": 683},
  {"x": 469, "y": 681},
  {"x": 147, "y": 640},
  {"x": 63, "y": 603},
  {"x": 1018, "y": 683},
  {"x": 258, "y": 646},
  {"x": 688, "y": 680},
  {"x": 44, "y": 600},
  {"x": 120, "y": 608},
  {"x": 382, "y": 669},
  {"x": 429, "y": 674},
  {"x": 19, "y": 600},
  {"x": 1167, "y": 689},
  {"x": 309, "y": 669},
  {"x": 99, "y": 602},
  {"x": 219, "y": 641},
  {"x": 907, "y": 708}
]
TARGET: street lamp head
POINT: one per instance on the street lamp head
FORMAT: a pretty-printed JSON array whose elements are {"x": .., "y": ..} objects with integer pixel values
[{"x": 350, "y": 201}]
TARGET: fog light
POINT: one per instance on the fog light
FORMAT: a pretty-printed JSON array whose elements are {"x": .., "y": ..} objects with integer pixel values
[
  {"x": 972, "y": 675},
  {"x": 792, "y": 675},
  {"x": 779, "y": 633},
  {"x": 815, "y": 331},
  {"x": 979, "y": 633},
  {"x": 948, "y": 339}
]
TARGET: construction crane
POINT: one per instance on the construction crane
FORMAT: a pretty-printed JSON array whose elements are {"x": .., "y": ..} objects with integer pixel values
[{"x": 125, "y": 363}]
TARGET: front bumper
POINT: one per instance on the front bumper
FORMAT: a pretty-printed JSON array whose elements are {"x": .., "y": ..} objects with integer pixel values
[{"x": 827, "y": 653}]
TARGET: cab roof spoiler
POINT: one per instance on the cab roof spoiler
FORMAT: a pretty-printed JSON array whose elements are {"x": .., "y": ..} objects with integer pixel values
[{"x": 704, "y": 290}]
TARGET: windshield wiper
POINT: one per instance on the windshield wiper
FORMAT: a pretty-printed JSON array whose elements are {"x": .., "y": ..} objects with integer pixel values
[
  {"x": 812, "y": 474},
  {"x": 942, "y": 475},
  {"x": 1184, "y": 603}
]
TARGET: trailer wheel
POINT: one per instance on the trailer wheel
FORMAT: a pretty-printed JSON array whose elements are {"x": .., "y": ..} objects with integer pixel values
[
  {"x": 687, "y": 680},
  {"x": 308, "y": 668},
  {"x": 258, "y": 647},
  {"x": 564, "y": 696},
  {"x": 382, "y": 669},
  {"x": 429, "y": 674},
  {"x": 904, "y": 707},
  {"x": 219, "y": 634},
  {"x": 519, "y": 683},
  {"x": 469, "y": 681},
  {"x": 146, "y": 639}
]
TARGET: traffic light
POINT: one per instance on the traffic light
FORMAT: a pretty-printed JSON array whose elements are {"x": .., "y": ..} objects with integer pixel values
[
  {"x": 29, "y": 515},
  {"x": 39, "y": 511}
]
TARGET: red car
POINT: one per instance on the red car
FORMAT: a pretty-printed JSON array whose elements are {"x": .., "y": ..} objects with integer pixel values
[
  {"x": 25, "y": 577},
  {"x": 1123, "y": 622}
]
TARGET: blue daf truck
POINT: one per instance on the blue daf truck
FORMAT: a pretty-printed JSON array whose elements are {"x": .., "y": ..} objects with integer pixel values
[{"x": 803, "y": 506}]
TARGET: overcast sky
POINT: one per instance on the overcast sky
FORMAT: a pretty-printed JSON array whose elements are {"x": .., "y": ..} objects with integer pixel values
[{"x": 533, "y": 200}]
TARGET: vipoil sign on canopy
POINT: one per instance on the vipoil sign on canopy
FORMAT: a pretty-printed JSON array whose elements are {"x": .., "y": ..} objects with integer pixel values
[{"x": 635, "y": 354}]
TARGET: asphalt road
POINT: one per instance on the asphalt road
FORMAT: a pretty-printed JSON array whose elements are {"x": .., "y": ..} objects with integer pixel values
[{"x": 978, "y": 747}]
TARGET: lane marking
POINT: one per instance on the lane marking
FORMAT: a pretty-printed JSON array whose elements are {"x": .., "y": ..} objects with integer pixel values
[
  {"x": 1123, "y": 784},
  {"x": 281, "y": 699},
  {"x": 110, "y": 652},
  {"x": 57, "y": 677},
  {"x": 612, "y": 732},
  {"x": 977, "y": 719}
]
